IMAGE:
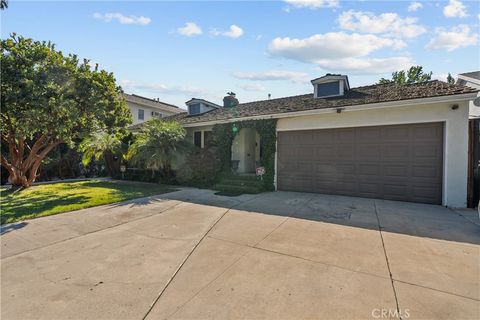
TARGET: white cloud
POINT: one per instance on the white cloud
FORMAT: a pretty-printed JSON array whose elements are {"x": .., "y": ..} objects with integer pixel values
[
  {"x": 108, "y": 17},
  {"x": 256, "y": 87},
  {"x": 234, "y": 32},
  {"x": 162, "y": 88},
  {"x": 190, "y": 29},
  {"x": 455, "y": 9},
  {"x": 339, "y": 51},
  {"x": 332, "y": 45},
  {"x": 366, "y": 65},
  {"x": 456, "y": 37},
  {"x": 313, "y": 4},
  {"x": 386, "y": 23},
  {"x": 292, "y": 76},
  {"x": 414, "y": 6}
]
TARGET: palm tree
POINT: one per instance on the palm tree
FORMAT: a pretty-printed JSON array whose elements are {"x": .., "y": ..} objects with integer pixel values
[
  {"x": 100, "y": 145},
  {"x": 158, "y": 145}
]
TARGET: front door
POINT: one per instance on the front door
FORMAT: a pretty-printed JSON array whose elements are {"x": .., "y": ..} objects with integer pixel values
[{"x": 249, "y": 151}]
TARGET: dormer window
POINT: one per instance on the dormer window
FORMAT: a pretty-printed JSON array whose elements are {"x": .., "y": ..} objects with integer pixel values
[
  {"x": 194, "y": 108},
  {"x": 328, "y": 89},
  {"x": 330, "y": 85},
  {"x": 200, "y": 106}
]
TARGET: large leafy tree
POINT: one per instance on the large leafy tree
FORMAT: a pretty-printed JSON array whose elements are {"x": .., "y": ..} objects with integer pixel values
[
  {"x": 158, "y": 145},
  {"x": 413, "y": 75},
  {"x": 49, "y": 98}
]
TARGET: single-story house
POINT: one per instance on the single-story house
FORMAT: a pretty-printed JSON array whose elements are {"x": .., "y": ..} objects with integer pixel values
[
  {"x": 144, "y": 109},
  {"x": 386, "y": 141}
]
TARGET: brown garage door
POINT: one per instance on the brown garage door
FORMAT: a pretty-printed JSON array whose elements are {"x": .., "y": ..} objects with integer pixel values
[{"x": 398, "y": 162}]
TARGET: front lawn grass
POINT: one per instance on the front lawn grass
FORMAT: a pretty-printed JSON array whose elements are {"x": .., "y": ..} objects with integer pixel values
[{"x": 48, "y": 199}]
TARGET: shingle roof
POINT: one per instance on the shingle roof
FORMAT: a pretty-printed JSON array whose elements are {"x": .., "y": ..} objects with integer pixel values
[
  {"x": 152, "y": 103},
  {"x": 355, "y": 96},
  {"x": 473, "y": 75}
]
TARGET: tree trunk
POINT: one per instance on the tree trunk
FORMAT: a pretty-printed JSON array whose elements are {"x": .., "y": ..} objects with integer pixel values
[
  {"x": 23, "y": 172},
  {"x": 109, "y": 162}
]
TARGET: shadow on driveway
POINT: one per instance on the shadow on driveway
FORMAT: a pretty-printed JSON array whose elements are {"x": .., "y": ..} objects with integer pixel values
[{"x": 415, "y": 219}]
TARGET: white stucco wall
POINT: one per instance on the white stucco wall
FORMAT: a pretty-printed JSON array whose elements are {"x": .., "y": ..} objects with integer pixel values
[
  {"x": 455, "y": 136},
  {"x": 147, "y": 112}
]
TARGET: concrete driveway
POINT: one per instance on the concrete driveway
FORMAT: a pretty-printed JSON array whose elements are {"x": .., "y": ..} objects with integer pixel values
[{"x": 281, "y": 255}]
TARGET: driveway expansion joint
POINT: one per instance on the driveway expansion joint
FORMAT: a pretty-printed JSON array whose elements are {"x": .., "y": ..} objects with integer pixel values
[
  {"x": 190, "y": 254},
  {"x": 92, "y": 232},
  {"x": 300, "y": 258},
  {"x": 438, "y": 290},
  {"x": 386, "y": 257}
]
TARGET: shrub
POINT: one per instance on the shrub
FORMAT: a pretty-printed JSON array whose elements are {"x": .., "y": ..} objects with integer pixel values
[{"x": 200, "y": 169}]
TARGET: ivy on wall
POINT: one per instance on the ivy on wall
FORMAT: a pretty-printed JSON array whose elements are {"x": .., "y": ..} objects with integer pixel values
[{"x": 223, "y": 135}]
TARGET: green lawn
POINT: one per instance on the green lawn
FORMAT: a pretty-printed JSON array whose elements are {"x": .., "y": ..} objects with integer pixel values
[{"x": 48, "y": 199}]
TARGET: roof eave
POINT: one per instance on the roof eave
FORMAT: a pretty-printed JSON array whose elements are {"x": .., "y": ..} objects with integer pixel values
[
  {"x": 379, "y": 105},
  {"x": 469, "y": 79}
]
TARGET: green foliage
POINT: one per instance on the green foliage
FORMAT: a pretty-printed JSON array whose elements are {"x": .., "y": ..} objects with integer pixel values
[
  {"x": 95, "y": 146},
  {"x": 142, "y": 175},
  {"x": 100, "y": 145},
  {"x": 450, "y": 79},
  {"x": 45, "y": 92},
  {"x": 158, "y": 145},
  {"x": 413, "y": 75},
  {"x": 61, "y": 163},
  {"x": 200, "y": 169},
  {"x": 223, "y": 135},
  {"x": 49, "y": 98}
]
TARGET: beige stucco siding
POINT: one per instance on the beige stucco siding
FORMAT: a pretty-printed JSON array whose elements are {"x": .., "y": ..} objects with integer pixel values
[
  {"x": 455, "y": 131},
  {"x": 147, "y": 112}
]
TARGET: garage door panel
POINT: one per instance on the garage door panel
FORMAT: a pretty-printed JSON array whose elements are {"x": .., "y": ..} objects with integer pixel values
[
  {"x": 395, "y": 152},
  {"x": 427, "y": 152},
  {"x": 401, "y": 162},
  {"x": 395, "y": 134},
  {"x": 427, "y": 132},
  {"x": 400, "y": 170}
]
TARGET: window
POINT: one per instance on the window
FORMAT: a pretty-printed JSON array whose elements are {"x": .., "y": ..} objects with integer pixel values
[
  {"x": 207, "y": 136},
  {"x": 197, "y": 138},
  {"x": 194, "y": 108},
  {"x": 141, "y": 114},
  {"x": 328, "y": 89},
  {"x": 156, "y": 114}
]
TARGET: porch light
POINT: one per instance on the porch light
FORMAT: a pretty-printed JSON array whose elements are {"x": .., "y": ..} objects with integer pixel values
[{"x": 234, "y": 129}]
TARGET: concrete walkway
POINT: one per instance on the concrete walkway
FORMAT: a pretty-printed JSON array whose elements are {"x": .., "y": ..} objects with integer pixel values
[{"x": 192, "y": 254}]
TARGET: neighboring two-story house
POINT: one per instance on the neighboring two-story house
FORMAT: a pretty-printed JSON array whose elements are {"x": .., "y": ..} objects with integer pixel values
[{"x": 144, "y": 109}]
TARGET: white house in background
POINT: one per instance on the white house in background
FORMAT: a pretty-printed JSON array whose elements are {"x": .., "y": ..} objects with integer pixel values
[
  {"x": 144, "y": 109},
  {"x": 472, "y": 80},
  {"x": 384, "y": 141}
]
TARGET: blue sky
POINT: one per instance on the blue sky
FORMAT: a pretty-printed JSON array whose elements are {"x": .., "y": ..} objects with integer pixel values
[{"x": 179, "y": 50}]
